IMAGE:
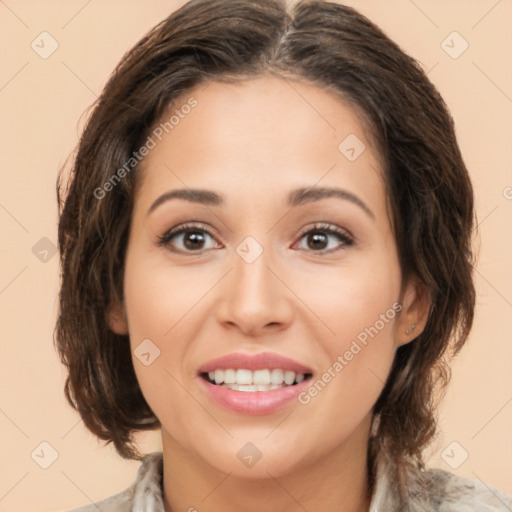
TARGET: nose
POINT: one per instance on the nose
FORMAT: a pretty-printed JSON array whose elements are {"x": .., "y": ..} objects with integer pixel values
[{"x": 254, "y": 298}]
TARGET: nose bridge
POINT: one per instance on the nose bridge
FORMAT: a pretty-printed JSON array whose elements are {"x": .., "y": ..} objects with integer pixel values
[
  {"x": 253, "y": 297},
  {"x": 251, "y": 281}
]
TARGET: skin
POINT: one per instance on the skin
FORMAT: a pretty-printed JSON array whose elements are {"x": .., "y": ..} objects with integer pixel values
[{"x": 254, "y": 142}]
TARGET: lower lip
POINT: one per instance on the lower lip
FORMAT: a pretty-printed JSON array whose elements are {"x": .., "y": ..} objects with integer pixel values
[{"x": 253, "y": 402}]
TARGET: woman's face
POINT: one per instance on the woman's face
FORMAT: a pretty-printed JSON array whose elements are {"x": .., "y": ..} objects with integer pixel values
[{"x": 277, "y": 245}]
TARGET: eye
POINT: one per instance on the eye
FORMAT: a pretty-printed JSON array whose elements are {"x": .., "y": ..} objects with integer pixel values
[
  {"x": 324, "y": 238},
  {"x": 321, "y": 239},
  {"x": 188, "y": 238}
]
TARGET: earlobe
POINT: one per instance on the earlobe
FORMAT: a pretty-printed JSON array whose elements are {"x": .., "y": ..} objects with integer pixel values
[
  {"x": 117, "y": 318},
  {"x": 411, "y": 329},
  {"x": 416, "y": 303}
]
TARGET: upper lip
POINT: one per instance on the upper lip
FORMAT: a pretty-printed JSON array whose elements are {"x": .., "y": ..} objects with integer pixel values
[{"x": 261, "y": 361}]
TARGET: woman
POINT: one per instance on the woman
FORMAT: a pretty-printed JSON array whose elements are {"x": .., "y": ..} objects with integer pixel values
[{"x": 266, "y": 253}]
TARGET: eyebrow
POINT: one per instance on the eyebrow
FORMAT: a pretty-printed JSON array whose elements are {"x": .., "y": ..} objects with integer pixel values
[{"x": 295, "y": 197}]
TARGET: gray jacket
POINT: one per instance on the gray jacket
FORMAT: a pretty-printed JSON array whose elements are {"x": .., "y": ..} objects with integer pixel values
[{"x": 434, "y": 490}]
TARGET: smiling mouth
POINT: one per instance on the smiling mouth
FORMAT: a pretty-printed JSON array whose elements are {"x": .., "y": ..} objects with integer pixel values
[{"x": 242, "y": 379}]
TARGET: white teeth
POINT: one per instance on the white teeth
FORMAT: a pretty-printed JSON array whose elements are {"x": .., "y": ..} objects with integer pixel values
[
  {"x": 299, "y": 378},
  {"x": 258, "y": 380},
  {"x": 277, "y": 376},
  {"x": 243, "y": 377},
  {"x": 251, "y": 387},
  {"x": 289, "y": 378},
  {"x": 229, "y": 376},
  {"x": 261, "y": 377},
  {"x": 247, "y": 388},
  {"x": 219, "y": 376}
]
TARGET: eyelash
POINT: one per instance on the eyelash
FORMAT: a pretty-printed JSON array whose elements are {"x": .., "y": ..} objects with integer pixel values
[{"x": 343, "y": 236}]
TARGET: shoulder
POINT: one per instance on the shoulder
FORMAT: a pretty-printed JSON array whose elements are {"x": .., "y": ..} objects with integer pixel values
[
  {"x": 455, "y": 493},
  {"x": 432, "y": 490},
  {"x": 437, "y": 490},
  {"x": 121, "y": 502},
  {"x": 146, "y": 490}
]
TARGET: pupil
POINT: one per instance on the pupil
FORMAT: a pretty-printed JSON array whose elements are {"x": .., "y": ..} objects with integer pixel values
[
  {"x": 194, "y": 240},
  {"x": 317, "y": 240}
]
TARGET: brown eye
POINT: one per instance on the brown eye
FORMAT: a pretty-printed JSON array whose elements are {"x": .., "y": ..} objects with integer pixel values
[
  {"x": 317, "y": 241},
  {"x": 188, "y": 239},
  {"x": 193, "y": 240},
  {"x": 323, "y": 239}
]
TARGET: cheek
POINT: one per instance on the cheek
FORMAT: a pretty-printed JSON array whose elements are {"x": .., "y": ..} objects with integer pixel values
[
  {"x": 159, "y": 298},
  {"x": 351, "y": 298},
  {"x": 359, "y": 304},
  {"x": 161, "y": 304}
]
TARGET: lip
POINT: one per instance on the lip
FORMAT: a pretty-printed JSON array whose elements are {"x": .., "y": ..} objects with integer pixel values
[
  {"x": 259, "y": 361},
  {"x": 257, "y": 402}
]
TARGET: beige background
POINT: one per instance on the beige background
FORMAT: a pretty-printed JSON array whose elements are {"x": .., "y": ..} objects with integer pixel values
[{"x": 42, "y": 102}]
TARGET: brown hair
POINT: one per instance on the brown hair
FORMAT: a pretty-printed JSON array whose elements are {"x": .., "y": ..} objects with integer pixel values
[{"x": 331, "y": 46}]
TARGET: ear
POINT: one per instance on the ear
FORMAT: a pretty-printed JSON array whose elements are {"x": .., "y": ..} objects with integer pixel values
[
  {"x": 416, "y": 303},
  {"x": 117, "y": 320}
]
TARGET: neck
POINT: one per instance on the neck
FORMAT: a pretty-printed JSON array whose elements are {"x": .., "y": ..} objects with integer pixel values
[{"x": 334, "y": 482}]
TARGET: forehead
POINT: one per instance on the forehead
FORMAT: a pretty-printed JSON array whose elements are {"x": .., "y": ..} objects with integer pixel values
[{"x": 259, "y": 134}]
